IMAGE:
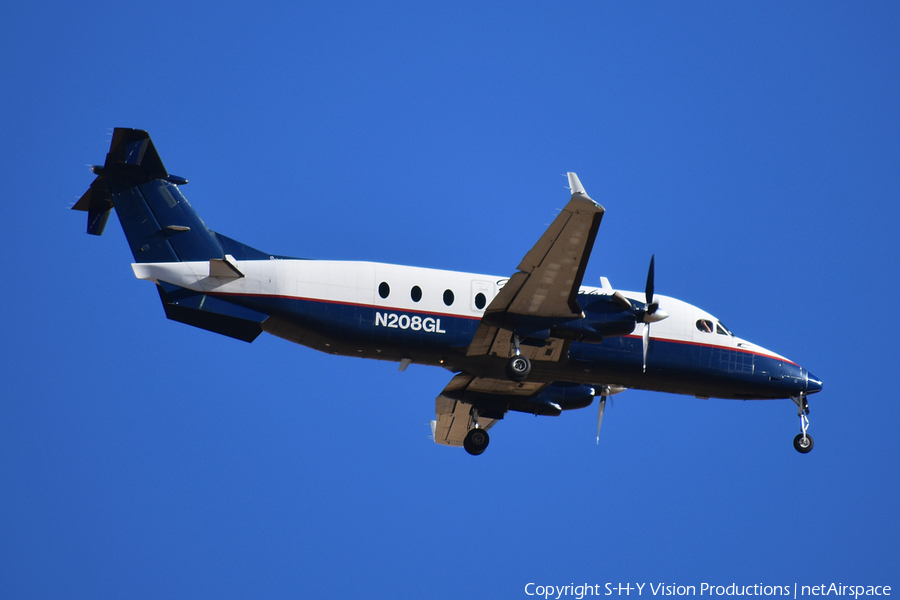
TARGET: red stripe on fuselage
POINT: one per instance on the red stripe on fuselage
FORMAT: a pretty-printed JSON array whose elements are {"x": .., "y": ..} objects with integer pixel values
[
  {"x": 472, "y": 318},
  {"x": 692, "y": 343}
]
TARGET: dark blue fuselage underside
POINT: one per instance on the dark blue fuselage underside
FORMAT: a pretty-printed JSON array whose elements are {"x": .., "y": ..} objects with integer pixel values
[{"x": 441, "y": 339}]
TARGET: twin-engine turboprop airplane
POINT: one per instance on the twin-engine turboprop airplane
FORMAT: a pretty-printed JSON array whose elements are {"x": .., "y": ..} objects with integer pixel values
[{"x": 536, "y": 342}]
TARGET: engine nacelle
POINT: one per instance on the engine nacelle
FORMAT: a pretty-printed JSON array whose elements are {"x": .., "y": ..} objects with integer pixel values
[
  {"x": 555, "y": 399},
  {"x": 594, "y": 327},
  {"x": 604, "y": 316}
]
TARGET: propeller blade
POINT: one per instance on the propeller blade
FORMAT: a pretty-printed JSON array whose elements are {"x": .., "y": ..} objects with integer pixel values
[
  {"x": 646, "y": 343},
  {"x": 649, "y": 289},
  {"x": 600, "y": 415}
]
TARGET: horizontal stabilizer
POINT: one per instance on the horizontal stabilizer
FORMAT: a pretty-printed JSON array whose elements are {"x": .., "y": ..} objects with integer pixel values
[
  {"x": 159, "y": 223},
  {"x": 133, "y": 157},
  {"x": 132, "y": 160},
  {"x": 97, "y": 202}
]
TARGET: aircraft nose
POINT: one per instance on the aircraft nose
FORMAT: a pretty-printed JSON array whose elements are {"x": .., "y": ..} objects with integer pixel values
[{"x": 813, "y": 383}]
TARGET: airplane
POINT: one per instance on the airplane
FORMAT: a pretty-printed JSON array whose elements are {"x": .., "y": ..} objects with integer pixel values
[{"x": 536, "y": 341}]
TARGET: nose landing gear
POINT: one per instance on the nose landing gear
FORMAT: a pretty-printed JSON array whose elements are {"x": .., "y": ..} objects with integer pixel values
[{"x": 803, "y": 443}]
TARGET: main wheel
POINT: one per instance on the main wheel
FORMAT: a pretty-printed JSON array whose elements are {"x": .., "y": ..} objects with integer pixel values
[
  {"x": 803, "y": 445},
  {"x": 476, "y": 441},
  {"x": 518, "y": 368}
]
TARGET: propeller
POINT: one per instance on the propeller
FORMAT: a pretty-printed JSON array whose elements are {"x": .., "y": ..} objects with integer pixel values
[
  {"x": 605, "y": 392},
  {"x": 652, "y": 313},
  {"x": 652, "y": 307},
  {"x": 646, "y": 337}
]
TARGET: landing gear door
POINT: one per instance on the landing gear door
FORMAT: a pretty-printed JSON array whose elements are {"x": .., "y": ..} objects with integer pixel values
[{"x": 482, "y": 294}]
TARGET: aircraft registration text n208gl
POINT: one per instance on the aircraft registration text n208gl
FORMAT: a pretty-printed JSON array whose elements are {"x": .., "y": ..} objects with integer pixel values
[{"x": 535, "y": 340}]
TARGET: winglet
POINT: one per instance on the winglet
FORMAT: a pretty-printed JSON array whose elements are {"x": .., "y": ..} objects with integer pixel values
[{"x": 575, "y": 185}]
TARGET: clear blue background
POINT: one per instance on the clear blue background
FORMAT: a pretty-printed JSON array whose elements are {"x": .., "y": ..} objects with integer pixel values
[{"x": 753, "y": 147}]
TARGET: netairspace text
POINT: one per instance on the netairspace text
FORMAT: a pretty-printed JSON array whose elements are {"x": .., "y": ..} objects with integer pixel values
[{"x": 793, "y": 590}]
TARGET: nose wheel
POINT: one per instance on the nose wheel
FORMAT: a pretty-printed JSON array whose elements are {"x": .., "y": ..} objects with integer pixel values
[{"x": 803, "y": 443}]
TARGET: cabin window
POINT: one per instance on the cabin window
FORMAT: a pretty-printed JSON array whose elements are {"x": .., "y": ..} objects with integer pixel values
[
  {"x": 448, "y": 297},
  {"x": 480, "y": 300},
  {"x": 705, "y": 325},
  {"x": 415, "y": 293},
  {"x": 384, "y": 290}
]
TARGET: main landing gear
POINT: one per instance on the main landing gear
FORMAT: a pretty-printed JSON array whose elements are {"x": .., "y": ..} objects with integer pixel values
[
  {"x": 518, "y": 367},
  {"x": 477, "y": 440},
  {"x": 803, "y": 443}
]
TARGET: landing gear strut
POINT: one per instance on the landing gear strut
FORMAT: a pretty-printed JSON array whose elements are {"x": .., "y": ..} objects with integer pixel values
[
  {"x": 803, "y": 443},
  {"x": 518, "y": 367}
]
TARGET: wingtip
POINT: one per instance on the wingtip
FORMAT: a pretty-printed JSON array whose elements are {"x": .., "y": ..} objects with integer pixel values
[
  {"x": 575, "y": 184},
  {"x": 578, "y": 189}
]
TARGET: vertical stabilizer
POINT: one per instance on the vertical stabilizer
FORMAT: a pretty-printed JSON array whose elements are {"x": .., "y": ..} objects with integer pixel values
[{"x": 159, "y": 223}]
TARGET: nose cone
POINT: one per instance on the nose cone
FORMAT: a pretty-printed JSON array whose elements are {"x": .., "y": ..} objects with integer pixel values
[
  {"x": 799, "y": 380},
  {"x": 813, "y": 383}
]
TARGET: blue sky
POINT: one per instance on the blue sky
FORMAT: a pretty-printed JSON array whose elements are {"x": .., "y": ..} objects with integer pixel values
[{"x": 754, "y": 148}]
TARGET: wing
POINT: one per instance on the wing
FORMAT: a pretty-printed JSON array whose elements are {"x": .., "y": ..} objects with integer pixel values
[
  {"x": 453, "y": 408},
  {"x": 543, "y": 291},
  {"x": 545, "y": 287}
]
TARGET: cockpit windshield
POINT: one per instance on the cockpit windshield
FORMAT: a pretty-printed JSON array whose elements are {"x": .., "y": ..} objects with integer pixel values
[{"x": 708, "y": 326}]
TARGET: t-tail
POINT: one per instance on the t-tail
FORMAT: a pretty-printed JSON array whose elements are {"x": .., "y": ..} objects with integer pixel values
[
  {"x": 159, "y": 222},
  {"x": 161, "y": 226}
]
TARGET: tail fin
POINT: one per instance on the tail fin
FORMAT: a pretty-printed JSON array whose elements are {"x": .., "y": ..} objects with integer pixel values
[{"x": 159, "y": 223}]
